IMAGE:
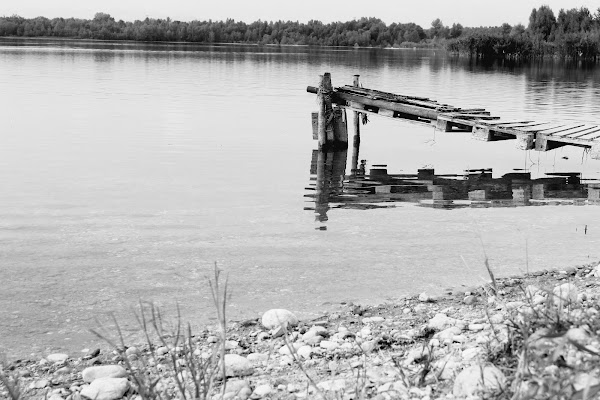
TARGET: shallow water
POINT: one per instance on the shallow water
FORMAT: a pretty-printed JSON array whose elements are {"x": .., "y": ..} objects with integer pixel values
[{"x": 127, "y": 170}]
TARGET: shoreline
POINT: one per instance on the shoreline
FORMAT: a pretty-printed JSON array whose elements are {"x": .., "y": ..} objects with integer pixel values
[{"x": 443, "y": 335}]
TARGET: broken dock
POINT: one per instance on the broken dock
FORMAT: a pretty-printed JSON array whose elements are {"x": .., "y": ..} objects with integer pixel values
[{"x": 330, "y": 122}]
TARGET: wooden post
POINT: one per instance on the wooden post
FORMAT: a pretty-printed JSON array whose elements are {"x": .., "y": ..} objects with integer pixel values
[
  {"x": 322, "y": 121},
  {"x": 340, "y": 128},
  {"x": 325, "y": 120},
  {"x": 356, "y": 141}
]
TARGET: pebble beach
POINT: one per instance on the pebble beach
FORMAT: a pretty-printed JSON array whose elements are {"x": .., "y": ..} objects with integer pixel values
[{"x": 531, "y": 336}]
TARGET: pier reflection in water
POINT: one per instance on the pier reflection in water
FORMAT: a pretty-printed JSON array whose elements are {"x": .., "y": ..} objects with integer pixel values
[{"x": 374, "y": 187}]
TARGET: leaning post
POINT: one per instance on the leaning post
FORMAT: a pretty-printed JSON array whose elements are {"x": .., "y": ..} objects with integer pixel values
[
  {"x": 356, "y": 142},
  {"x": 321, "y": 121}
]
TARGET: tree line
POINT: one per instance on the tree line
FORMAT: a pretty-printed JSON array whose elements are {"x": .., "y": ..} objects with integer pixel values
[
  {"x": 573, "y": 33},
  {"x": 362, "y": 32}
]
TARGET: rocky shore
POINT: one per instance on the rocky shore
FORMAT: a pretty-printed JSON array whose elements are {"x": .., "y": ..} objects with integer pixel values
[{"x": 530, "y": 337}]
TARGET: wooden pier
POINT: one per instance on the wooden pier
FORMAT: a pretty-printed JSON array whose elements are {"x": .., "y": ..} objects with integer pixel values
[{"x": 330, "y": 122}]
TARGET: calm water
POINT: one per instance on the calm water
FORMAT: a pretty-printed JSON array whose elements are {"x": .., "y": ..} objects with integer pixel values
[{"x": 127, "y": 170}]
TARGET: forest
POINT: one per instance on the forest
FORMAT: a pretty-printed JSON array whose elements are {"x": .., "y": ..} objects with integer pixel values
[{"x": 572, "y": 33}]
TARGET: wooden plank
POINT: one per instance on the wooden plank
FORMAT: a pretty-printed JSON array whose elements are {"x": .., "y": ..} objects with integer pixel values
[
  {"x": 590, "y": 134},
  {"x": 315, "y": 125},
  {"x": 540, "y": 128},
  {"x": 570, "y": 131},
  {"x": 386, "y": 113},
  {"x": 523, "y": 125},
  {"x": 561, "y": 128},
  {"x": 388, "y": 105},
  {"x": 499, "y": 122}
]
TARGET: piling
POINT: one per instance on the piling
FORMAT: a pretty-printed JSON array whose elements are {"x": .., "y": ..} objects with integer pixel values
[{"x": 356, "y": 141}]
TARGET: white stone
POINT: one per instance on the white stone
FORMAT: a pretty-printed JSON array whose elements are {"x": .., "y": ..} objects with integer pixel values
[
  {"x": 448, "y": 333},
  {"x": 236, "y": 365},
  {"x": 105, "y": 389},
  {"x": 476, "y": 327},
  {"x": 328, "y": 345},
  {"x": 513, "y": 305},
  {"x": 334, "y": 385},
  {"x": 565, "y": 293},
  {"x": 263, "y": 390},
  {"x": 305, "y": 352},
  {"x": 284, "y": 350},
  {"x": 370, "y": 320},
  {"x": 578, "y": 335},
  {"x": 257, "y": 357},
  {"x": 368, "y": 346},
  {"x": 584, "y": 381},
  {"x": 278, "y": 317},
  {"x": 132, "y": 351},
  {"x": 39, "y": 384},
  {"x": 471, "y": 353},
  {"x": 538, "y": 299},
  {"x": 90, "y": 374},
  {"x": 231, "y": 344},
  {"x": 476, "y": 379},
  {"x": 441, "y": 321},
  {"x": 424, "y": 297},
  {"x": 161, "y": 351},
  {"x": 57, "y": 357}
]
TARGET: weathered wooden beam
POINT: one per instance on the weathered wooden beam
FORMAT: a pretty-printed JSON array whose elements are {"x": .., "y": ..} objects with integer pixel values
[
  {"x": 487, "y": 134},
  {"x": 545, "y": 143},
  {"x": 325, "y": 121},
  {"x": 386, "y": 113},
  {"x": 388, "y": 105},
  {"x": 340, "y": 128},
  {"x": 443, "y": 125},
  {"x": 315, "y": 125},
  {"x": 525, "y": 141}
]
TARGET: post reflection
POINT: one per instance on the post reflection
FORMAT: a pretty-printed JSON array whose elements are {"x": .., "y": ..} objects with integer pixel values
[{"x": 368, "y": 187}]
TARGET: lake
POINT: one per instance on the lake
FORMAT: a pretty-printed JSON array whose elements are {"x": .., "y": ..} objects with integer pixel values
[{"x": 127, "y": 170}]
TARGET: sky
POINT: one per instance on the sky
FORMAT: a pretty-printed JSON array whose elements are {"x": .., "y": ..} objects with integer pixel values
[{"x": 422, "y": 12}]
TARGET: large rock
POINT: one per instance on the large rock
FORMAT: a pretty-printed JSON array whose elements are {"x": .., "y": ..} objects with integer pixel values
[
  {"x": 57, "y": 357},
  {"x": 236, "y": 365},
  {"x": 441, "y": 321},
  {"x": 90, "y": 374},
  {"x": 105, "y": 389},
  {"x": 334, "y": 385},
  {"x": 477, "y": 380},
  {"x": 278, "y": 317},
  {"x": 565, "y": 294}
]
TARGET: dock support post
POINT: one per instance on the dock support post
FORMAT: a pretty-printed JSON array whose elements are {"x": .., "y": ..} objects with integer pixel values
[
  {"x": 325, "y": 120},
  {"x": 356, "y": 141},
  {"x": 595, "y": 152},
  {"x": 340, "y": 128},
  {"x": 543, "y": 144},
  {"x": 443, "y": 125}
]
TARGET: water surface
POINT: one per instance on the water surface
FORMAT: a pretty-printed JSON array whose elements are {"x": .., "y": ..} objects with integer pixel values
[{"x": 127, "y": 170}]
